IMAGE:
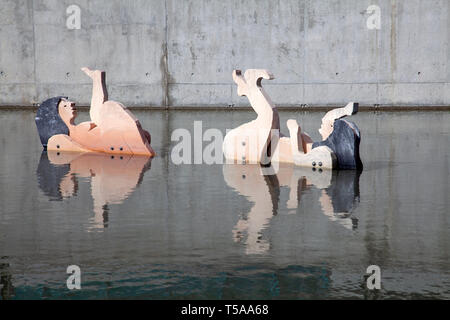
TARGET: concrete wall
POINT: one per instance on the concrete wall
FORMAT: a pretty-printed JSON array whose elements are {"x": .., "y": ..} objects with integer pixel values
[{"x": 182, "y": 52}]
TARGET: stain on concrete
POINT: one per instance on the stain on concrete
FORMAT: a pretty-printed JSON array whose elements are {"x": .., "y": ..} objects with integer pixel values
[
  {"x": 284, "y": 49},
  {"x": 191, "y": 34},
  {"x": 164, "y": 68},
  {"x": 193, "y": 55},
  {"x": 393, "y": 38}
]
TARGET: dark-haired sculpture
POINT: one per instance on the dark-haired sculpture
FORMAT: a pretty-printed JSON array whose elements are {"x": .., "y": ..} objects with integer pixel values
[
  {"x": 260, "y": 141},
  {"x": 112, "y": 129}
]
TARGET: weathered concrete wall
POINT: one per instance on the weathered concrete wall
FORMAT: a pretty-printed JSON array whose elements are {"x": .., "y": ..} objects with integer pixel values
[{"x": 182, "y": 52}]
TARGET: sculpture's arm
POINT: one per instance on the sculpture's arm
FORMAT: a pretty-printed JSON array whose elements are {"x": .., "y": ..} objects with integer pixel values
[
  {"x": 300, "y": 141},
  {"x": 294, "y": 132}
]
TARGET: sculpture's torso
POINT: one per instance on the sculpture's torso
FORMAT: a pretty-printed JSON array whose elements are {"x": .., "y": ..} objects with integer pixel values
[{"x": 117, "y": 130}]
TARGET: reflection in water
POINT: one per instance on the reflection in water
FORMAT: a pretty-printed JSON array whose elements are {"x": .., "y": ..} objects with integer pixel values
[
  {"x": 112, "y": 177},
  {"x": 341, "y": 197},
  {"x": 6, "y": 286},
  {"x": 175, "y": 240},
  {"x": 340, "y": 192}
]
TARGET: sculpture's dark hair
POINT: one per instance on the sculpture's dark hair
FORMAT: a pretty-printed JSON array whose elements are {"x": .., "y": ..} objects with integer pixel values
[
  {"x": 344, "y": 140},
  {"x": 48, "y": 121}
]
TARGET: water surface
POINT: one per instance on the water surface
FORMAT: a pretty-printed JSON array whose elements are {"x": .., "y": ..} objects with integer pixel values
[{"x": 155, "y": 230}]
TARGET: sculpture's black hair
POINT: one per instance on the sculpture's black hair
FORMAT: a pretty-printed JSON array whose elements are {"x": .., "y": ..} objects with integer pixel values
[
  {"x": 344, "y": 190},
  {"x": 344, "y": 141},
  {"x": 48, "y": 121}
]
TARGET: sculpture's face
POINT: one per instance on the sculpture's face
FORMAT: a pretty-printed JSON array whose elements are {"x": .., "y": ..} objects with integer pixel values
[
  {"x": 326, "y": 129},
  {"x": 67, "y": 109}
]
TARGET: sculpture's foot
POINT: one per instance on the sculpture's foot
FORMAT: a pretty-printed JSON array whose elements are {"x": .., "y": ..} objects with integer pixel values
[
  {"x": 292, "y": 125},
  {"x": 351, "y": 108},
  {"x": 318, "y": 158},
  {"x": 93, "y": 74}
]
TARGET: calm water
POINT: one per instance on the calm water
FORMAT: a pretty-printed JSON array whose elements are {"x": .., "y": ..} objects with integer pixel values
[{"x": 154, "y": 230}]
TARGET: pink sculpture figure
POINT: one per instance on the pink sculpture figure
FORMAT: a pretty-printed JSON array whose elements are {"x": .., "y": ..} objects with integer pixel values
[
  {"x": 112, "y": 129},
  {"x": 260, "y": 141}
]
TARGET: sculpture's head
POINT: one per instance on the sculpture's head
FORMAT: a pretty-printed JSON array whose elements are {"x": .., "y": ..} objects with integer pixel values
[
  {"x": 326, "y": 128},
  {"x": 48, "y": 120},
  {"x": 67, "y": 110}
]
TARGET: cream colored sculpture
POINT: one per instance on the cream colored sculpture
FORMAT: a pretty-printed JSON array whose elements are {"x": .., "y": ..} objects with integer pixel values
[
  {"x": 260, "y": 140},
  {"x": 112, "y": 127}
]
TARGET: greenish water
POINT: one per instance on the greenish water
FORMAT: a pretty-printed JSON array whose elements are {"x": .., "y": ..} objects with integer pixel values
[{"x": 155, "y": 230}]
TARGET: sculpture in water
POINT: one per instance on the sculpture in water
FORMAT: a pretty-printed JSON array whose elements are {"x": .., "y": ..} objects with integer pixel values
[
  {"x": 260, "y": 141},
  {"x": 112, "y": 129}
]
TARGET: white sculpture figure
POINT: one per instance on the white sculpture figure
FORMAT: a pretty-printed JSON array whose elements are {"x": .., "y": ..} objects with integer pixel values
[{"x": 260, "y": 140}]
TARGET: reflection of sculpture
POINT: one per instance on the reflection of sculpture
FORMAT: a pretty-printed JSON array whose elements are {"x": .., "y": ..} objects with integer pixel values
[
  {"x": 340, "y": 198},
  {"x": 113, "y": 178},
  {"x": 112, "y": 129},
  {"x": 6, "y": 285},
  {"x": 260, "y": 140},
  {"x": 340, "y": 190}
]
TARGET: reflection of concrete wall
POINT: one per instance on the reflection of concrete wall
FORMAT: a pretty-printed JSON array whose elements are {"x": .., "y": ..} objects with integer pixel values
[{"x": 180, "y": 53}]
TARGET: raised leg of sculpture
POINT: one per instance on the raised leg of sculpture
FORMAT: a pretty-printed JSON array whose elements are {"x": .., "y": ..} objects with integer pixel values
[
  {"x": 250, "y": 141},
  {"x": 99, "y": 92}
]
